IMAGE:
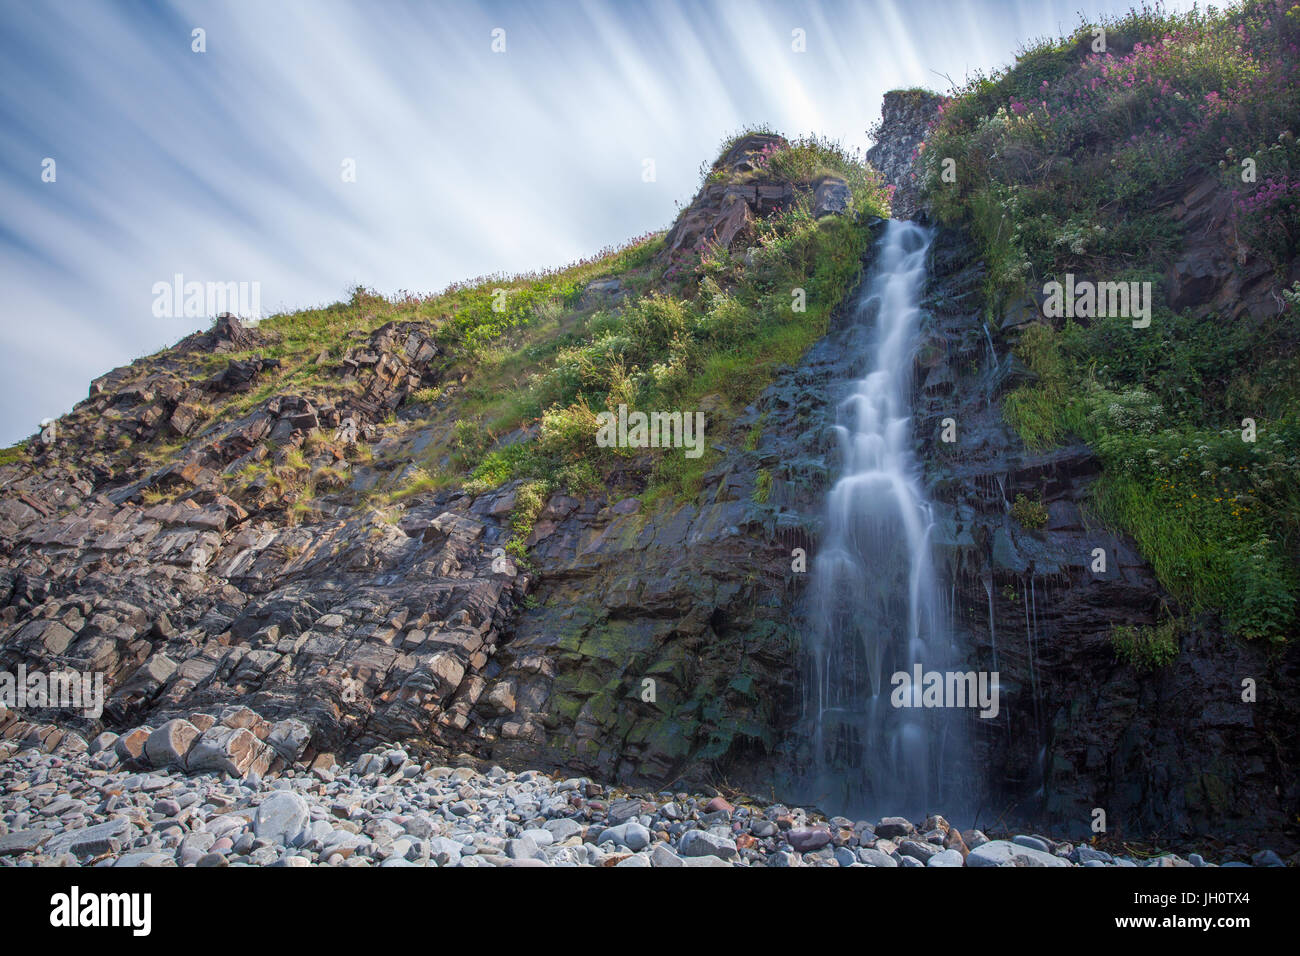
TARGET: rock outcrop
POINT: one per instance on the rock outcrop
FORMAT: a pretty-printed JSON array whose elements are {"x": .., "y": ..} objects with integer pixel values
[
  {"x": 906, "y": 115},
  {"x": 1215, "y": 272},
  {"x": 741, "y": 188}
]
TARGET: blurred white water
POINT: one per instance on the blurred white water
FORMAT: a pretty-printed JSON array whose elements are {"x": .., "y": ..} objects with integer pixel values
[{"x": 876, "y": 603}]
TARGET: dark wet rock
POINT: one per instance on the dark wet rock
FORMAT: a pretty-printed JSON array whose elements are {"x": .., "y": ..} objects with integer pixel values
[{"x": 1075, "y": 722}]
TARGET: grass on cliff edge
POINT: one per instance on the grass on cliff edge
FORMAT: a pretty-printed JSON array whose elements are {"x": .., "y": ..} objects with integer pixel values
[
  {"x": 1070, "y": 162},
  {"x": 710, "y": 334},
  {"x": 705, "y": 332}
]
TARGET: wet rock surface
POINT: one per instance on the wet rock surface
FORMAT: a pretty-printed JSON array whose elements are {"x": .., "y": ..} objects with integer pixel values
[{"x": 1175, "y": 752}]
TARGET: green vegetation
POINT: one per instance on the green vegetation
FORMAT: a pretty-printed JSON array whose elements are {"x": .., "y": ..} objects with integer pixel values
[
  {"x": 14, "y": 453},
  {"x": 1045, "y": 412},
  {"x": 529, "y": 501},
  {"x": 1031, "y": 514},
  {"x": 1072, "y": 161},
  {"x": 1146, "y": 648},
  {"x": 710, "y": 333}
]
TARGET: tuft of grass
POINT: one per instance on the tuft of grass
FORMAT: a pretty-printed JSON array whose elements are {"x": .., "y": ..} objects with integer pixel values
[
  {"x": 153, "y": 496},
  {"x": 1146, "y": 649},
  {"x": 1046, "y": 411},
  {"x": 13, "y": 454},
  {"x": 530, "y": 499},
  {"x": 1031, "y": 514},
  {"x": 418, "y": 481}
]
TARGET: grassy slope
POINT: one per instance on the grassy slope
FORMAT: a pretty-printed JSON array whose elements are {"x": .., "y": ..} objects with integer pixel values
[
  {"x": 528, "y": 370},
  {"x": 1067, "y": 162},
  {"x": 708, "y": 332}
]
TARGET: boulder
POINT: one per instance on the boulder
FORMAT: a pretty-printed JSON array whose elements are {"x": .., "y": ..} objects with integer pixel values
[
  {"x": 1006, "y": 853},
  {"x": 130, "y": 745},
  {"x": 289, "y": 739},
  {"x": 700, "y": 843},
  {"x": 232, "y": 750},
  {"x": 168, "y": 745},
  {"x": 831, "y": 197},
  {"x": 280, "y": 817}
]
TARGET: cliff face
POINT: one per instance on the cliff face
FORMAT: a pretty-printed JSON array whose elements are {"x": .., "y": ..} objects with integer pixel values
[
  {"x": 904, "y": 118},
  {"x": 651, "y": 642},
  {"x": 361, "y": 627},
  {"x": 1169, "y": 754},
  {"x": 644, "y": 639},
  {"x": 214, "y": 527}
]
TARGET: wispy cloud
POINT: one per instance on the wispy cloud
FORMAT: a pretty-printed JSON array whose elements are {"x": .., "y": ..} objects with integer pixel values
[{"x": 225, "y": 165}]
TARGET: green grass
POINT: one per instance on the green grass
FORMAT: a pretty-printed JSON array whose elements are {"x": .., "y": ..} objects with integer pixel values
[
  {"x": 1146, "y": 648},
  {"x": 13, "y": 454},
  {"x": 1048, "y": 410},
  {"x": 529, "y": 501},
  {"x": 713, "y": 336}
]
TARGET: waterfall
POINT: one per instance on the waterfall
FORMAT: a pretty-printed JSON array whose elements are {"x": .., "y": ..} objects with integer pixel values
[
  {"x": 876, "y": 604},
  {"x": 993, "y": 353}
]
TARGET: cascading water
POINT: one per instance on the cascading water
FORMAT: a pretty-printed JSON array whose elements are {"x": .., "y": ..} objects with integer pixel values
[{"x": 876, "y": 604}]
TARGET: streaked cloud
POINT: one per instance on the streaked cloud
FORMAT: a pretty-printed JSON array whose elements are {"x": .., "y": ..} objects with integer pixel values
[{"x": 225, "y": 166}]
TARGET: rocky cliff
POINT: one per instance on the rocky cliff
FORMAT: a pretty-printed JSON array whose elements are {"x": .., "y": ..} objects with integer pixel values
[
  {"x": 163, "y": 536},
  {"x": 905, "y": 116},
  {"x": 1167, "y": 754},
  {"x": 215, "y": 528}
]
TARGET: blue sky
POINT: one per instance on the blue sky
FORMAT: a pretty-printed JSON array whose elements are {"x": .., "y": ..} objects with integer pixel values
[{"x": 225, "y": 166}]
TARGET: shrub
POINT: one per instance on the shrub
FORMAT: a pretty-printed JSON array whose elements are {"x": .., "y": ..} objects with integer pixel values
[
  {"x": 1146, "y": 648},
  {"x": 1031, "y": 514}
]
